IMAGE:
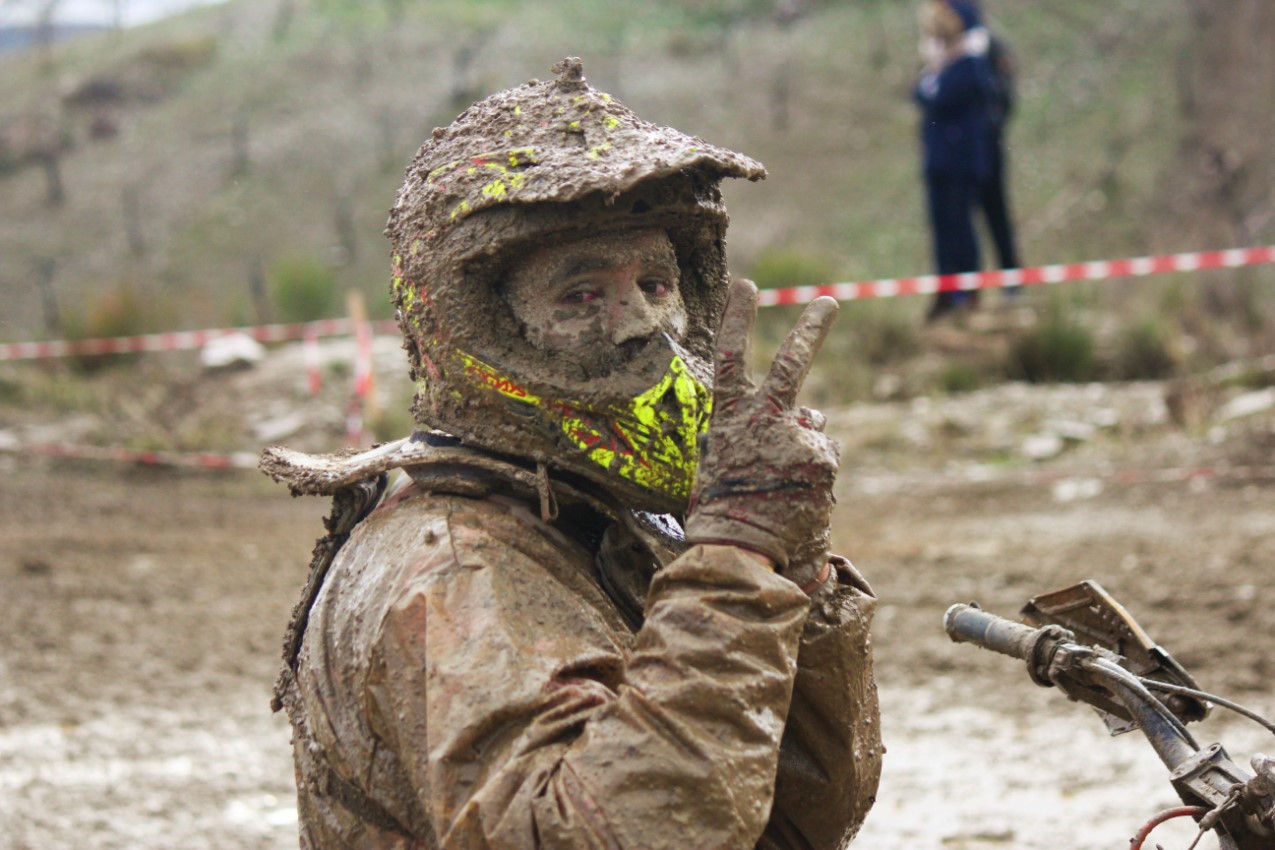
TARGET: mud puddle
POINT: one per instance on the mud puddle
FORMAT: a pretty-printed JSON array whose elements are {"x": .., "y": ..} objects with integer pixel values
[
  {"x": 957, "y": 775},
  {"x": 213, "y": 777},
  {"x": 1046, "y": 777}
]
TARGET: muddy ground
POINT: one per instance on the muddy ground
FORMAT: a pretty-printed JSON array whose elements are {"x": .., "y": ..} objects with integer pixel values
[{"x": 142, "y": 609}]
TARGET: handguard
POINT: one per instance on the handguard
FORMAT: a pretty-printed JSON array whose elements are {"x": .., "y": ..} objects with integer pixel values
[{"x": 1096, "y": 619}]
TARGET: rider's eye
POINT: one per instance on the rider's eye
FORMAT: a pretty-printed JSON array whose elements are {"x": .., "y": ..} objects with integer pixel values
[
  {"x": 657, "y": 286},
  {"x": 579, "y": 296}
]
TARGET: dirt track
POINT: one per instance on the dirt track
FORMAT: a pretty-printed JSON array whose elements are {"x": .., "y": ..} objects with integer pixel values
[{"x": 143, "y": 609}]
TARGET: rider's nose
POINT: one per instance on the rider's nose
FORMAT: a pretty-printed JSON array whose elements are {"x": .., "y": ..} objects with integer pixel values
[{"x": 631, "y": 315}]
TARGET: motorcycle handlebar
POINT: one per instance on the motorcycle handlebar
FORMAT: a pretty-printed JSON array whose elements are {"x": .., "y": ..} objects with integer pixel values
[
  {"x": 971, "y": 624},
  {"x": 1200, "y": 776}
]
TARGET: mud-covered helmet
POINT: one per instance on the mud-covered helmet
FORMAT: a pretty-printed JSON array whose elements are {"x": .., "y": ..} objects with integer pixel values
[{"x": 543, "y": 161}]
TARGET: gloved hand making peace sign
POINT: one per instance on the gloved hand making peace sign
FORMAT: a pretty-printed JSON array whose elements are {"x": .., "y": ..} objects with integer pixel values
[{"x": 766, "y": 475}]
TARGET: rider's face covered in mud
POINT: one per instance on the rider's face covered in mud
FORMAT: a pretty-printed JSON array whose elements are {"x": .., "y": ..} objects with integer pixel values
[
  {"x": 606, "y": 308},
  {"x": 592, "y": 303}
]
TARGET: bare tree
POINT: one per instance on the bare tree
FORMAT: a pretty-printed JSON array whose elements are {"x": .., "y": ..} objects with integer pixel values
[
  {"x": 1217, "y": 194},
  {"x": 131, "y": 205},
  {"x": 257, "y": 288},
  {"x": 240, "y": 156},
  {"x": 44, "y": 14},
  {"x": 1226, "y": 168},
  {"x": 45, "y": 28},
  {"x": 45, "y": 271},
  {"x": 347, "y": 232},
  {"x": 46, "y": 144},
  {"x": 781, "y": 97},
  {"x": 283, "y": 18},
  {"x": 50, "y": 159},
  {"x": 465, "y": 89},
  {"x": 388, "y": 155}
]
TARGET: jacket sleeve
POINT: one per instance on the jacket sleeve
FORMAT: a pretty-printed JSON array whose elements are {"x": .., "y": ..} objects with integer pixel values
[
  {"x": 961, "y": 86},
  {"x": 522, "y": 723},
  {"x": 830, "y": 761}
]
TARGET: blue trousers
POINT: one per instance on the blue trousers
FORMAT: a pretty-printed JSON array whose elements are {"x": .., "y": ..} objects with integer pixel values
[
  {"x": 952, "y": 199},
  {"x": 992, "y": 199}
]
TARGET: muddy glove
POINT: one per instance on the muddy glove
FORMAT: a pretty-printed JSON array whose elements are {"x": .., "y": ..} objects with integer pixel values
[{"x": 765, "y": 477}]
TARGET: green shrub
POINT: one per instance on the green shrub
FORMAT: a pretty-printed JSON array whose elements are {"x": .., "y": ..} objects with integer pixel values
[
  {"x": 10, "y": 391},
  {"x": 180, "y": 56},
  {"x": 778, "y": 268},
  {"x": 959, "y": 378},
  {"x": 881, "y": 333},
  {"x": 1057, "y": 349},
  {"x": 1251, "y": 377},
  {"x": 121, "y": 311},
  {"x": 1143, "y": 353},
  {"x": 303, "y": 290},
  {"x": 56, "y": 389}
]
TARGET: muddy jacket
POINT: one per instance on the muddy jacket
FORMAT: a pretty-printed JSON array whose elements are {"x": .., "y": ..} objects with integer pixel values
[{"x": 475, "y": 675}]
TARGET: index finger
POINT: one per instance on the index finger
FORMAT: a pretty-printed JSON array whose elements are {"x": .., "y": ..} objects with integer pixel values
[
  {"x": 734, "y": 344},
  {"x": 797, "y": 353}
]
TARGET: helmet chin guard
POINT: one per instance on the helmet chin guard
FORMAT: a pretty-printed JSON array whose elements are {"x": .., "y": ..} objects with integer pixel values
[{"x": 548, "y": 161}]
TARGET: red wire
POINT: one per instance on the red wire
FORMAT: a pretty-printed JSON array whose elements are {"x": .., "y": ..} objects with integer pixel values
[{"x": 1135, "y": 843}]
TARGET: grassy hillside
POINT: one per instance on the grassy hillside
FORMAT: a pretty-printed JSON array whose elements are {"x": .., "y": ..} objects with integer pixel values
[{"x": 239, "y": 145}]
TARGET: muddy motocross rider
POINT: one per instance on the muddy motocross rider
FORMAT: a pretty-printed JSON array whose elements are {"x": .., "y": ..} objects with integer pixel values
[{"x": 517, "y": 646}]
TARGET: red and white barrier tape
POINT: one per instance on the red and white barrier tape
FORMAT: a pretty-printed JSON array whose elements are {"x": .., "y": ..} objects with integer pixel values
[
  {"x": 181, "y": 340},
  {"x": 942, "y": 479},
  {"x": 1008, "y": 278},
  {"x": 201, "y": 460},
  {"x": 1158, "y": 476},
  {"x": 873, "y": 483},
  {"x": 884, "y": 288}
]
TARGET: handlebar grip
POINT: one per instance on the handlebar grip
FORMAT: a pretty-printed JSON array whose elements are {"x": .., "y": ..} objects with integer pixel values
[{"x": 971, "y": 624}]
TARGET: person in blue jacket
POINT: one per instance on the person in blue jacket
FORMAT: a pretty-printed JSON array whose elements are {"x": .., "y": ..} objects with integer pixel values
[{"x": 955, "y": 93}]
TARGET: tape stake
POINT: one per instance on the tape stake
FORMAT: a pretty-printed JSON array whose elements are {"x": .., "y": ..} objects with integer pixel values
[
  {"x": 354, "y": 434},
  {"x": 116, "y": 454},
  {"x": 172, "y": 341},
  {"x": 314, "y": 372}
]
